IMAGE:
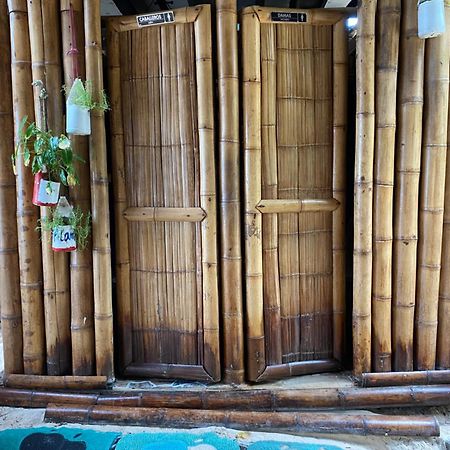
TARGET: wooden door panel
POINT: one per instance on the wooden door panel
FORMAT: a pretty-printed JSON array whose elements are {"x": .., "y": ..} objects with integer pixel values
[
  {"x": 294, "y": 124},
  {"x": 164, "y": 175}
]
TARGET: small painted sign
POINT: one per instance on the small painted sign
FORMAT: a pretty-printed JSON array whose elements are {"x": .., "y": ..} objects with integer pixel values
[
  {"x": 63, "y": 239},
  {"x": 289, "y": 17},
  {"x": 147, "y": 20}
]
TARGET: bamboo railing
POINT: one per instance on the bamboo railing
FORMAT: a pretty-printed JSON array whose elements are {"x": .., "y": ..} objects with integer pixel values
[
  {"x": 10, "y": 305},
  {"x": 44, "y": 23},
  {"x": 30, "y": 260},
  {"x": 101, "y": 247},
  {"x": 364, "y": 158},
  {"x": 230, "y": 214},
  {"x": 81, "y": 278}
]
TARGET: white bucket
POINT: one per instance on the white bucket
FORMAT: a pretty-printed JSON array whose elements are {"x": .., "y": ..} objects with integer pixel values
[
  {"x": 47, "y": 193},
  {"x": 431, "y": 18},
  {"x": 63, "y": 239},
  {"x": 78, "y": 120}
]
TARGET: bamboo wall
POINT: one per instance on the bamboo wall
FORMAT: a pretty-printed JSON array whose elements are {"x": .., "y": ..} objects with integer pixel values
[{"x": 401, "y": 259}]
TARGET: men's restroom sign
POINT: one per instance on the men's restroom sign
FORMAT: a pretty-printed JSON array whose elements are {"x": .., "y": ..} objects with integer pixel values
[{"x": 147, "y": 20}]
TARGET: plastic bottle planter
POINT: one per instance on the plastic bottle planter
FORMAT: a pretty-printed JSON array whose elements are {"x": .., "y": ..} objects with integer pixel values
[
  {"x": 78, "y": 120},
  {"x": 431, "y": 18},
  {"x": 63, "y": 239},
  {"x": 45, "y": 193}
]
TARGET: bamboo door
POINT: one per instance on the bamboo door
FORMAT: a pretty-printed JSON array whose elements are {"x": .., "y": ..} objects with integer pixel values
[
  {"x": 294, "y": 107},
  {"x": 165, "y": 194}
]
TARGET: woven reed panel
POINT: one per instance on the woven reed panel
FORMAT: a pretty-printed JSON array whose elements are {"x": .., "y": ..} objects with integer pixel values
[
  {"x": 297, "y": 163},
  {"x": 162, "y": 170}
]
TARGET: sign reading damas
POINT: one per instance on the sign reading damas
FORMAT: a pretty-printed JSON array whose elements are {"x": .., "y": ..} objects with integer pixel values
[{"x": 289, "y": 17}]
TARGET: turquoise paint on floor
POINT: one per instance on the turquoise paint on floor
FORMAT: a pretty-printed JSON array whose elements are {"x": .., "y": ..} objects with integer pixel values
[{"x": 273, "y": 445}]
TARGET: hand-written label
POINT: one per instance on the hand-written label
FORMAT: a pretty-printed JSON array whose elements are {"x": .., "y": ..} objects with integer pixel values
[
  {"x": 288, "y": 17},
  {"x": 147, "y": 20}
]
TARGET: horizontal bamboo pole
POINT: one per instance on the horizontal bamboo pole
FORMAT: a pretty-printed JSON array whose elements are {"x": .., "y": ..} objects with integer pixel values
[
  {"x": 18, "y": 381},
  {"x": 241, "y": 399},
  {"x": 297, "y": 206},
  {"x": 246, "y": 420},
  {"x": 151, "y": 214},
  {"x": 405, "y": 378}
]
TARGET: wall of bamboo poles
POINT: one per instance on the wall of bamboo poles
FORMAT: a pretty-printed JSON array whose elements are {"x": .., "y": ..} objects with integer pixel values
[
  {"x": 443, "y": 339},
  {"x": 10, "y": 306},
  {"x": 230, "y": 214},
  {"x": 364, "y": 156},
  {"x": 387, "y": 45},
  {"x": 101, "y": 247},
  {"x": 81, "y": 279},
  {"x": 44, "y": 23},
  {"x": 30, "y": 257},
  {"x": 432, "y": 198}
]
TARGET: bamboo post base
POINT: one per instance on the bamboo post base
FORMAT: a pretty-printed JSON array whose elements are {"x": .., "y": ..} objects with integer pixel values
[
  {"x": 242, "y": 400},
  {"x": 244, "y": 420},
  {"x": 404, "y": 378},
  {"x": 55, "y": 382}
]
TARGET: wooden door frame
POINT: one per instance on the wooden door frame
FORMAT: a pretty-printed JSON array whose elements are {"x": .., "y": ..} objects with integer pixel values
[
  {"x": 251, "y": 19},
  {"x": 210, "y": 369}
]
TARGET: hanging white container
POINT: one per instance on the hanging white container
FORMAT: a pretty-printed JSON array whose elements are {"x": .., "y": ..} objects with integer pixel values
[
  {"x": 431, "y": 16},
  {"x": 63, "y": 239},
  {"x": 45, "y": 192},
  {"x": 78, "y": 115}
]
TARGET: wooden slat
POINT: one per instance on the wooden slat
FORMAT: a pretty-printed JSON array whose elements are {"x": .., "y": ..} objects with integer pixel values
[
  {"x": 155, "y": 214},
  {"x": 297, "y": 206}
]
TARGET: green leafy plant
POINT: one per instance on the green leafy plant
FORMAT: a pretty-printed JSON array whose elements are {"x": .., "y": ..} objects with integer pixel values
[
  {"x": 78, "y": 220},
  {"x": 81, "y": 94},
  {"x": 46, "y": 153}
]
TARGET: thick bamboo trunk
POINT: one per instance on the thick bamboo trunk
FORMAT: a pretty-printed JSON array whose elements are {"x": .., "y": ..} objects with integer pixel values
[
  {"x": 443, "y": 344},
  {"x": 81, "y": 281},
  {"x": 365, "y": 130},
  {"x": 43, "y": 20},
  {"x": 405, "y": 378},
  {"x": 11, "y": 314},
  {"x": 243, "y": 400},
  {"x": 292, "y": 422},
  {"x": 230, "y": 214},
  {"x": 432, "y": 197},
  {"x": 103, "y": 319},
  {"x": 27, "y": 215},
  {"x": 388, "y": 36},
  {"x": 77, "y": 383},
  {"x": 406, "y": 205}
]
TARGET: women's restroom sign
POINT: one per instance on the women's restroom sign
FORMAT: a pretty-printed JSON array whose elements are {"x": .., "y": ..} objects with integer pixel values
[{"x": 289, "y": 17}]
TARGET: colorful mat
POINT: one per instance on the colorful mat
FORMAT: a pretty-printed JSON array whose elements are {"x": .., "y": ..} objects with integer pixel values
[{"x": 273, "y": 445}]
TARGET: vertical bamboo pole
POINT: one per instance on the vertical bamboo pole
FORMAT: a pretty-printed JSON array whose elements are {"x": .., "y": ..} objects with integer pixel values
[
  {"x": 27, "y": 214},
  {"x": 387, "y": 44},
  {"x": 407, "y": 174},
  {"x": 203, "y": 56},
  {"x": 81, "y": 282},
  {"x": 340, "y": 71},
  {"x": 432, "y": 197},
  {"x": 99, "y": 197},
  {"x": 118, "y": 169},
  {"x": 251, "y": 108},
  {"x": 11, "y": 314},
  {"x": 231, "y": 256},
  {"x": 43, "y": 21},
  {"x": 365, "y": 130},
  {"x": 443, "y": 345}
]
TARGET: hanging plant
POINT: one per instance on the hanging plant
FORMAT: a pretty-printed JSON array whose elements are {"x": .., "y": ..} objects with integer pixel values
[
  {"x": 80, "y": 102},
  {"x": 51, "y": 159},
  {"x": 70, "y": 227}
]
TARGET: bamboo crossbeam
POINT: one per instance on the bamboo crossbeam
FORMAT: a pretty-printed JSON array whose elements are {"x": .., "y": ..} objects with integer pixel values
[
  {"x": 17, "y": 381},
  {"x": 404, "y": 378},
  {"x": 314, "y": 16},
  {"x": 229, "y": 179},
  {"x": 101, "y": 246},
  {"x": 81, "y": 282},
  {"x": 406, "y": 187},
  {"x": 30, "y": 256},
  {"x": 340, "y": 109},
  {"x": 431, "y": 214},
  {"x": 240, "y": 399},
  {"x": 387, "y": 45},
  {"x": 157, "y": 214},
  {"x": 44, "y": 22},
  {"x": 297, "y": 206},
  {"x": 292, "y": 422},
  {"x": 11, "y": 313},
  {"x": 364, "y": 156}
]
